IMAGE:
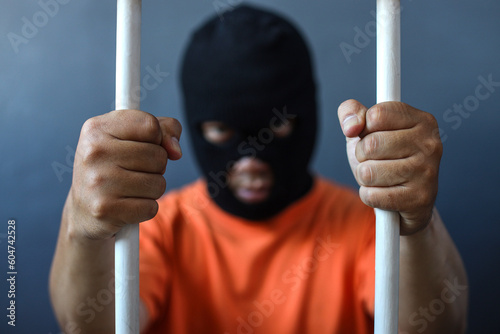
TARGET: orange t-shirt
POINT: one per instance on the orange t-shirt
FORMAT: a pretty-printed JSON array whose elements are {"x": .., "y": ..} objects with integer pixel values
[{"x": 310, "y": 269}]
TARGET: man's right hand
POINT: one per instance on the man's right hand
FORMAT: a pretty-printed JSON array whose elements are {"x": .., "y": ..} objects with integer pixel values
[{"x": 118, "y": 171}]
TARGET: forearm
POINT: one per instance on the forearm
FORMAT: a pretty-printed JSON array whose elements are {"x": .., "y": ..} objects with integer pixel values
[
  {"x": 82, "y": 281},
  {"x": 433, "y": 291}
]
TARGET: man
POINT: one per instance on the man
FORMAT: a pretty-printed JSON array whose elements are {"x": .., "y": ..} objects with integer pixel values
[{"x": 259, "y": 245}]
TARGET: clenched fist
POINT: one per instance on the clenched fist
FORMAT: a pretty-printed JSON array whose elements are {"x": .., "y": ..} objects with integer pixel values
[
  {"x": 394, "y": 151},
  {"x": 118, "y": 171}
]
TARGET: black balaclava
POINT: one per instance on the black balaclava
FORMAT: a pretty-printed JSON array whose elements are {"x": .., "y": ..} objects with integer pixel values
[{"x": 251, "y": 70}]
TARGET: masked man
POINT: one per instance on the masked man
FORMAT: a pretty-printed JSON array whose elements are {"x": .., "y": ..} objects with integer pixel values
[{"x": 259, "y": 244}]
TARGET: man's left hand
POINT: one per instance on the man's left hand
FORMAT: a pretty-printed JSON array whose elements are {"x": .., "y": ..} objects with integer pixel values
[{"x": 394, "y": 151}]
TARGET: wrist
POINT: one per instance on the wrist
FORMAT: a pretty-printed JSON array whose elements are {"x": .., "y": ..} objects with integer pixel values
[
  {"x": 426, "y": 235},
  {"x": 410, "y": 227}
]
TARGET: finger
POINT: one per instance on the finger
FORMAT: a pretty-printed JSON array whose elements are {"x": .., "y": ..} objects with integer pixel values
[
  {"x": 140, "y": 157},
  {"x": 387, "y": 116},
  {"x": 120, "y": 183},
  {"x": 139, "y": 185},
  {"x": 397, "y": 198},
  {"x": 133, "y": 125},
  {"x": 387, "y": 145},
  {"x": 384, "y": 173},
  {"x": 404, "y": 200},
  {"x": 351, "y": 115},
  {"x": 171, "y": 133},
  {"x": 133, "y": 210},
  {"x": 117, "y": 211}
]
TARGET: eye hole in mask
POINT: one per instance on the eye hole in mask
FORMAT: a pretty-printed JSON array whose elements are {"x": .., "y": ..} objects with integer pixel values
[
  {"x": 283, "y": 129},
  {"x": 218, "y": 133}
]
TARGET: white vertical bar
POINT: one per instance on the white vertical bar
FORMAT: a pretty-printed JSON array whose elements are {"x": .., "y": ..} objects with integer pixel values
[
  {"x": 387, "y": 225},
  {"x": 128, "y": 44}
]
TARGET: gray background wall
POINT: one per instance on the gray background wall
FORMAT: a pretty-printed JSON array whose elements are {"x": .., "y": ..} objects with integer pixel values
[{"x": 61, "y": 71}]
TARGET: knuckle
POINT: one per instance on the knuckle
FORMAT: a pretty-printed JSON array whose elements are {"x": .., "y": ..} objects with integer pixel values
[
  {"x": 95, "y": 180},
  {"x": 174, "y": 126},
  {"x": 174, "y": 122},
  {"x": 405, "y": 170},
  {"x": 160, "y": 157},
  {"x": 429, "y": 118},
  {"x": 371, "y": 144},
  {"x": 162, "y": 186},
  {"x": 438, "y": 147},
  {"x": 406, "y": 108},
  {"x": 91, "y": 148},
  {"x": 152, "y": 210},
  {"x": 157, "y": 185},
  {"x": 429, "y": 172},
  {"x": 145, "y": 211},
  {"x": 427, "y": 146},
  {"x": 151, "y": 125},
  {"x": 426, "y": 149},
  {"x": 91, "y": 126},
  {"x": 92, "y": 151},
  {"x": 100, "y": 208},
  {"x": 359, "y": 152},
  {"x": 374, "y": 114},
  {"x": 367, "y": 196},
  {"x": 365, "y": 174}
]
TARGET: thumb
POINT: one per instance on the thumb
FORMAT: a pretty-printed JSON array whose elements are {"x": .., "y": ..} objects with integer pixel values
[
  {"x": 171, "y": 130},
  {"x": 352, "y": 118},
  {"x": 352, "y": 121}
]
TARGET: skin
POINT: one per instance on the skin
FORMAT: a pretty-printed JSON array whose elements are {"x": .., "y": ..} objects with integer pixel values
[{"x": 118, "y": 175}]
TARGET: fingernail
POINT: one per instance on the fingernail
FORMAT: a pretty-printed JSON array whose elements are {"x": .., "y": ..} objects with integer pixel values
[
  {"x": 175, "y": 145},
  {"x": 349, "y": 122}
]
